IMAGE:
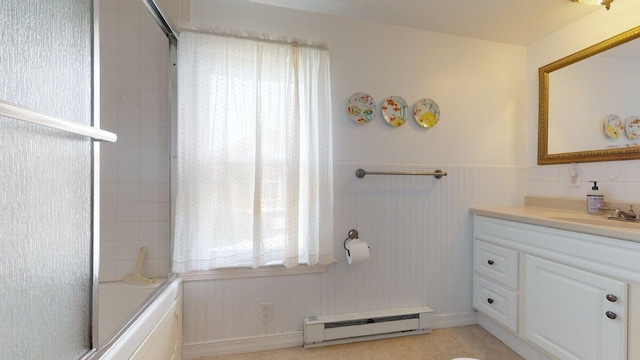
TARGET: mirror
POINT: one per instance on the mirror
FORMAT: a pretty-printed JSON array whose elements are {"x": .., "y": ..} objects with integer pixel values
[{"x": 589, "y": 108}]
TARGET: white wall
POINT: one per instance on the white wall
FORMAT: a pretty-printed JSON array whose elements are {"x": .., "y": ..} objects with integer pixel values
[
  {"x": 418, "y": 228},
  {"x": 419, "y": 231},
  {"x": 619, "y": 180},
  {"x": 134, "y": 171},
  {"x": 479, "y": 85}
]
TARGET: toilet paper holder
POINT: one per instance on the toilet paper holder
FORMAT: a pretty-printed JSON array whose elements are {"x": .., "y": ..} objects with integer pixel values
[{"x": 352, "y": 235}]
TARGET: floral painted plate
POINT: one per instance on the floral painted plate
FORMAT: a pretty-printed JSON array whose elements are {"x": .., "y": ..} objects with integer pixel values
[
  {"x": 633, "y": 127},
  {"x": 426, "y": 112},
  {"x": 613, "y": 126},
  {"x": 394, "y": 110},
  {"x": 361, "y": 108}
]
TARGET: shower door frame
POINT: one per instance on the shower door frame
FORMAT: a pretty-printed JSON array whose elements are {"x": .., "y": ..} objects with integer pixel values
[
  {"x": 95, "y": 108},
  {"x": 172, "y": 34}
]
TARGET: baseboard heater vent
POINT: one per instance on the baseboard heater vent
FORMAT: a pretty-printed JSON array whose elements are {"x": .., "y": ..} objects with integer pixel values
[{"x": 371, "y": 325}]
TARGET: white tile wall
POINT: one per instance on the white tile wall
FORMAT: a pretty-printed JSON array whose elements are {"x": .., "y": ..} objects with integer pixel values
[
  {"x": 135, "y": 174},
  {"x": 617, "y": 180}
]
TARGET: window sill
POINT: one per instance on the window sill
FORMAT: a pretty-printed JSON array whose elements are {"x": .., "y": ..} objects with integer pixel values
[{"x": 247, "y": 272}]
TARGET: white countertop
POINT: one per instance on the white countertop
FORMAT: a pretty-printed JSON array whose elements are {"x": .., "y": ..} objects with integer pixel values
[{"x": 565, "y": 220}]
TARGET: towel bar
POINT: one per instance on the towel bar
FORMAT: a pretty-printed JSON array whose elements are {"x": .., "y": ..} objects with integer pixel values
[{"x": 360, "y": 173}]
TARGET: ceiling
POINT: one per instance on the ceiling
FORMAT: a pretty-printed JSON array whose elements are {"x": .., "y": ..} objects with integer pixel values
[{"x": 518, "y": 22}]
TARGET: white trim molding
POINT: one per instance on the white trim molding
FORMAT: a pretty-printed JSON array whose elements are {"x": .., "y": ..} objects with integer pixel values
[
  {"x": 454, "y": 320},
  {"x": 290, "y": 340},
  {"x": 242, "y": 345},
  {"x": 247, "y": 272}
]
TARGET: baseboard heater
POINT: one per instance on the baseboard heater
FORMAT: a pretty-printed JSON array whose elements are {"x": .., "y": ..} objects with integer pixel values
[{"x": 371, "y": 325}]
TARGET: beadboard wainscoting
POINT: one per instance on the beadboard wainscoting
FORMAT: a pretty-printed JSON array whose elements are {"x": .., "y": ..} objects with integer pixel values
[{"x": 419, "y": 232}]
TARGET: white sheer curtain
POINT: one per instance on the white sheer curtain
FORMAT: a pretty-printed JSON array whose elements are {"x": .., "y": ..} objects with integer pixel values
[{"x": 255, "y": 176}]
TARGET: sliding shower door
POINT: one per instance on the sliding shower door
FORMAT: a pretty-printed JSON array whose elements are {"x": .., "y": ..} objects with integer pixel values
[{"x": 46, "y": 275}]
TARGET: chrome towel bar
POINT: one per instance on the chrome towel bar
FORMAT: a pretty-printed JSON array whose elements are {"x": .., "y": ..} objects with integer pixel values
[
  {"x": 360, "y": 173},
  {"x": 21, "y": 113}
]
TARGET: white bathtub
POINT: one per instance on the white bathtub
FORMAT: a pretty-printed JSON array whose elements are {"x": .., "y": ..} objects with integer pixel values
[
  {"x": 154, "y": 322},
  {"x": 118, "y": 302}
]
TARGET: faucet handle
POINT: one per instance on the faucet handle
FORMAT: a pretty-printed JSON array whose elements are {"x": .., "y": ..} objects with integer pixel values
[
  {"x": 631, "y": 212},
  {"x": 615, "y": 212}
]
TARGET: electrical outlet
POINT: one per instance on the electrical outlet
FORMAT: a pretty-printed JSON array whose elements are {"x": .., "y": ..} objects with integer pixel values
[
  {"x": 573, "y": 176},
  {"x": 574, "y": 180},
  {"x": 266, "y": 310}
]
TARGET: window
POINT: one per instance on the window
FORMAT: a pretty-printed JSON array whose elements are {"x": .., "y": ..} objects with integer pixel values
[{"x": 254, "y": 184}]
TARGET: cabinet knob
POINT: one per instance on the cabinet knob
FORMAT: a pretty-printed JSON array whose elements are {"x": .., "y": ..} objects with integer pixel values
[
  {"x": 611, "y": 315},
  {"x": 612, "y": 298},
  {"x": 490, "y": 301},
  {"x": 490, "y": 262}
]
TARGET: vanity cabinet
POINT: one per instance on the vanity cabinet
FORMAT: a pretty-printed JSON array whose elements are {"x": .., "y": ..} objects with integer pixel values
[
  {"x": 562, "y": 293},
  {"x": 574, "y": 314},
  {"x": 496, "y": 282}
]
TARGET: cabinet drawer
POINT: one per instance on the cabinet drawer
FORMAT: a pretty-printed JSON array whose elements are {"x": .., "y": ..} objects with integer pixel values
[
  {"x": 495, "y": 301},
  {"x": 496, "y": 263}
]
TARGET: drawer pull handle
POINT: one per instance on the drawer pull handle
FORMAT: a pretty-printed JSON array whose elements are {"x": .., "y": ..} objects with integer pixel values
[
  {"x": 490, "y": 262},
  {"x": 490, "y": 300},
  {"x": 611, "y": 315},
  {"x": 612, "y": 298}
]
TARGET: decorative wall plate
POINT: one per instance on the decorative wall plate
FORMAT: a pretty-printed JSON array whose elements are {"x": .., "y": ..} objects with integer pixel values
[
  {"x": 361, "y": 108},
  {"x": 426, "y": 112},
  {"x": 633, "y": 127},
  {"x": 394, "y": 110},
  {"x": 613, "y": 126}
]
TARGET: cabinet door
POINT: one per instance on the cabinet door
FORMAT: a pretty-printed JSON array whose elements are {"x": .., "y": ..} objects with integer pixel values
[{"x": 574, "y": 314}]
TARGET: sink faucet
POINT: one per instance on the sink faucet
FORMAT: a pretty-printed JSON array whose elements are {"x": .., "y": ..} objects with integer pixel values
[
  {"x": 629, "y": 215},
  {"x": 616, "y": 213}
]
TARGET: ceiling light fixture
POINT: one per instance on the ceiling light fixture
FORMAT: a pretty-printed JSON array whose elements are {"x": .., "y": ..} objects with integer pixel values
[{"x": 605, "y": 3}]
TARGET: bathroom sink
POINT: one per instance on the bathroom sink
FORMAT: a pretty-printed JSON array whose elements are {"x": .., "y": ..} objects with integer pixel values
[{"x": 598, "y": 221}]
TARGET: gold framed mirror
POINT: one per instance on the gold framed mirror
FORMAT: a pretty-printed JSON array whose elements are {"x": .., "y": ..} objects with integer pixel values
[{"x": 587, "y": 89}]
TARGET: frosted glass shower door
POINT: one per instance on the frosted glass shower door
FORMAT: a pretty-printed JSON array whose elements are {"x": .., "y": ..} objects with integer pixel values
[{"x": 46, "y": 181}]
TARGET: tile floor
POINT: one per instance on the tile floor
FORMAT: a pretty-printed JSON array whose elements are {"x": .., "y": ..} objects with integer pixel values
[{"x": 443, "y": 344}]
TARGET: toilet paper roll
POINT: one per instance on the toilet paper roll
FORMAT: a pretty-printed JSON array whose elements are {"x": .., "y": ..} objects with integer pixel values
[{"x": 358, "y": 252}]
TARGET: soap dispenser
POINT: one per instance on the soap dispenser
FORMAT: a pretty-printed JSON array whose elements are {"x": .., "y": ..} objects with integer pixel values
[{"x": 595, "y": 200}]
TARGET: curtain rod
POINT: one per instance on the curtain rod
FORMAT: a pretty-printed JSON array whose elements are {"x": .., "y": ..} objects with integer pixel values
[{"x": 249, "y": 35}]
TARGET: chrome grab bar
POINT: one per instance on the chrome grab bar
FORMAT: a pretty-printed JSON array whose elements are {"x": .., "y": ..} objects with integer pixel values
[
  {"x": 21, "y": 113},
  {"x": 360, "y": 173}
]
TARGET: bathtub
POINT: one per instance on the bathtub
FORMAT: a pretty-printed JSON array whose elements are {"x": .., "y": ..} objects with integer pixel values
[
  {"x": 154, "y": 329},
  {"x": 117, "y": 302}
]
